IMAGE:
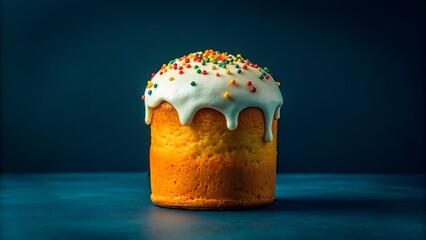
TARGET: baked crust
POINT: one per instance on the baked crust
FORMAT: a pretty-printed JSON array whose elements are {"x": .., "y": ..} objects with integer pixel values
[{"x": 207, "y": 166}]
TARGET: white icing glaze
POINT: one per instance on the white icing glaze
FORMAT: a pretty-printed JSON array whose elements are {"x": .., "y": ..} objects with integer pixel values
[{"x": 209, "y": 93}]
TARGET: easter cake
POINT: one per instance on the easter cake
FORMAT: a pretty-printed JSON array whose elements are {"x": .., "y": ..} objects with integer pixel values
[{"x": 213, "y": 119}]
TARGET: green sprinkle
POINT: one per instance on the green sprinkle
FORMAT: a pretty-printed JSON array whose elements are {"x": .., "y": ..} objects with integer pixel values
[
  {"x": 260, "y": 76},
  {"x": 237, "y": 66},
  {"x": 207, "y": 59},
  {"x": 239, "y": 71},
  {"x": 193, "y": 83},
  {"x": 266, "y": 69},
  {"x": 203, "y": 63},
  {"x": 215, "y": 61},
  {"x": 198, "y": 70},
  {"x": 227, "y": 61},
  {"x": 195, "y": 66},
  {"x": 155, "y": 85}
]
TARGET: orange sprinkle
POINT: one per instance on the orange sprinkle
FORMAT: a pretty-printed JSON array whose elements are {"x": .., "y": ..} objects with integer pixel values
[
  {"x": 232, "y": 81},
  {"x": 226, "y": 95}
]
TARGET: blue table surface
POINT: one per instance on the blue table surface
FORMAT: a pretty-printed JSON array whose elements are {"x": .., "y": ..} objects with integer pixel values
[{"x": 117, "y": 206}]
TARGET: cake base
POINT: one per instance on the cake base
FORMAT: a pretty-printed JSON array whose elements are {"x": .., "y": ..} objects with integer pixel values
[
  {"x": 206, "y": 166},
  {"x": 208, "y": 204}
]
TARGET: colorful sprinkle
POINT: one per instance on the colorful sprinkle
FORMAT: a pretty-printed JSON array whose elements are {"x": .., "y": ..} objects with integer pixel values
[
  {"x": 198, "y": 70},
  {"x": 266, "y": 69},
  {"x": 149, "y": 92},
  {"x": 278, "y": 84},
  {"x": 237, "y": 66},
  {"x": 204, "y": 72},
  {"x": 155, "y": 85},
  {"x": 171, "y": 78},
  {"x": 149, "y": 84},
  {"x": 188, "y": 65},
  {"x": 232, "y": 82},
  {"x": 213, "y": 67},
  {"x": 244, "y": 66},
  {"x": 193, "y": 83},
  {"x": 180, "y": 72},
  {"x": 228, "y": 72},
  {"x": 226, "y": 95},
  {"x": 253, "y": 89},
  {"x": 239, "y": 71},
  {"x": 261, "y": 77},
  {"x": 217, "y": 74},
  {"x": 143, "y": 97},
  {"x": 267, "y": 76},
  {"x": 195, "y": 66},
  {"x": 249, "y": 83}
]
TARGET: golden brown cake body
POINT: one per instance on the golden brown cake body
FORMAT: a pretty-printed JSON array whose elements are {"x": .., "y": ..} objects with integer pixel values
[{"x": 207, "y": 166}]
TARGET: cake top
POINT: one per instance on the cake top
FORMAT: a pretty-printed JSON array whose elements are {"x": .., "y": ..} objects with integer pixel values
[{"x": 217, "y": 80}]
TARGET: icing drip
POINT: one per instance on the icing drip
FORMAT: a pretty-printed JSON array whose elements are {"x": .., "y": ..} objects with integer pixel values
[{"x": 220, "y": 81}]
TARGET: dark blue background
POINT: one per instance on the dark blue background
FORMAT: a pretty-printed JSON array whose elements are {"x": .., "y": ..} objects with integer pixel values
[{"x": 72, "y": 74}]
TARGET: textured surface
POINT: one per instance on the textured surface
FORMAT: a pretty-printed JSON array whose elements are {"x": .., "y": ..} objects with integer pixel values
[
  {"x": 207, "y": 165},
  {"x": 117, "y": 206}
]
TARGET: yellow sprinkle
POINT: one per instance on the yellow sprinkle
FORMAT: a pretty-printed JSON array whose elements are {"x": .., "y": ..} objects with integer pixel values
[
  {"x": 232, "y": 81},
  {"x": 190, "y": 56},
  {"x": 259, "y": 69},
  {"x": 149, "y": 84},
  {"x": 213, "y": 67},
  {"x": 165, "y": 70},
  {"x": 163, "y": 66},
  {"x": 171, "y": 78},
  {"x": 183, "y": 63},
  {"x": 239, "y": 60},
  {"x": 278, "y": 84},
  {"x": 232, "y": 63},
  {"x": 239, "y": 55},
  {"x": 226, "y": 95},
  {"x": 228, "y": 72},
  {"x": 170, "y": 66},
  {"x": 211, "y": 59}
]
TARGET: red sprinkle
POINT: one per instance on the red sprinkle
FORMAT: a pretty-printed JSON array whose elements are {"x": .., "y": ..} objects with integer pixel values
[
  {"x": 188, "y": 65},
  {"x": 204, "y": 72},
  {"x": 174, "y": 67},
  {"x": 180, "y": 72},
  {"x": 244, "y": 66},
  {"x": 174, "y": 64},
  {"x": 152, "y": 74},
  {"x": 217, "y": 74},
  {"x": 249, "y": 83},
  {"x": 143, "y": 97},
  {"x": 187, "y": 60},
  {"x": 267, "y": 76},
  {"x": 180, "y": 68},
  {"x": 253, "y": 89},
  {"x": 161, "y": 72}
]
